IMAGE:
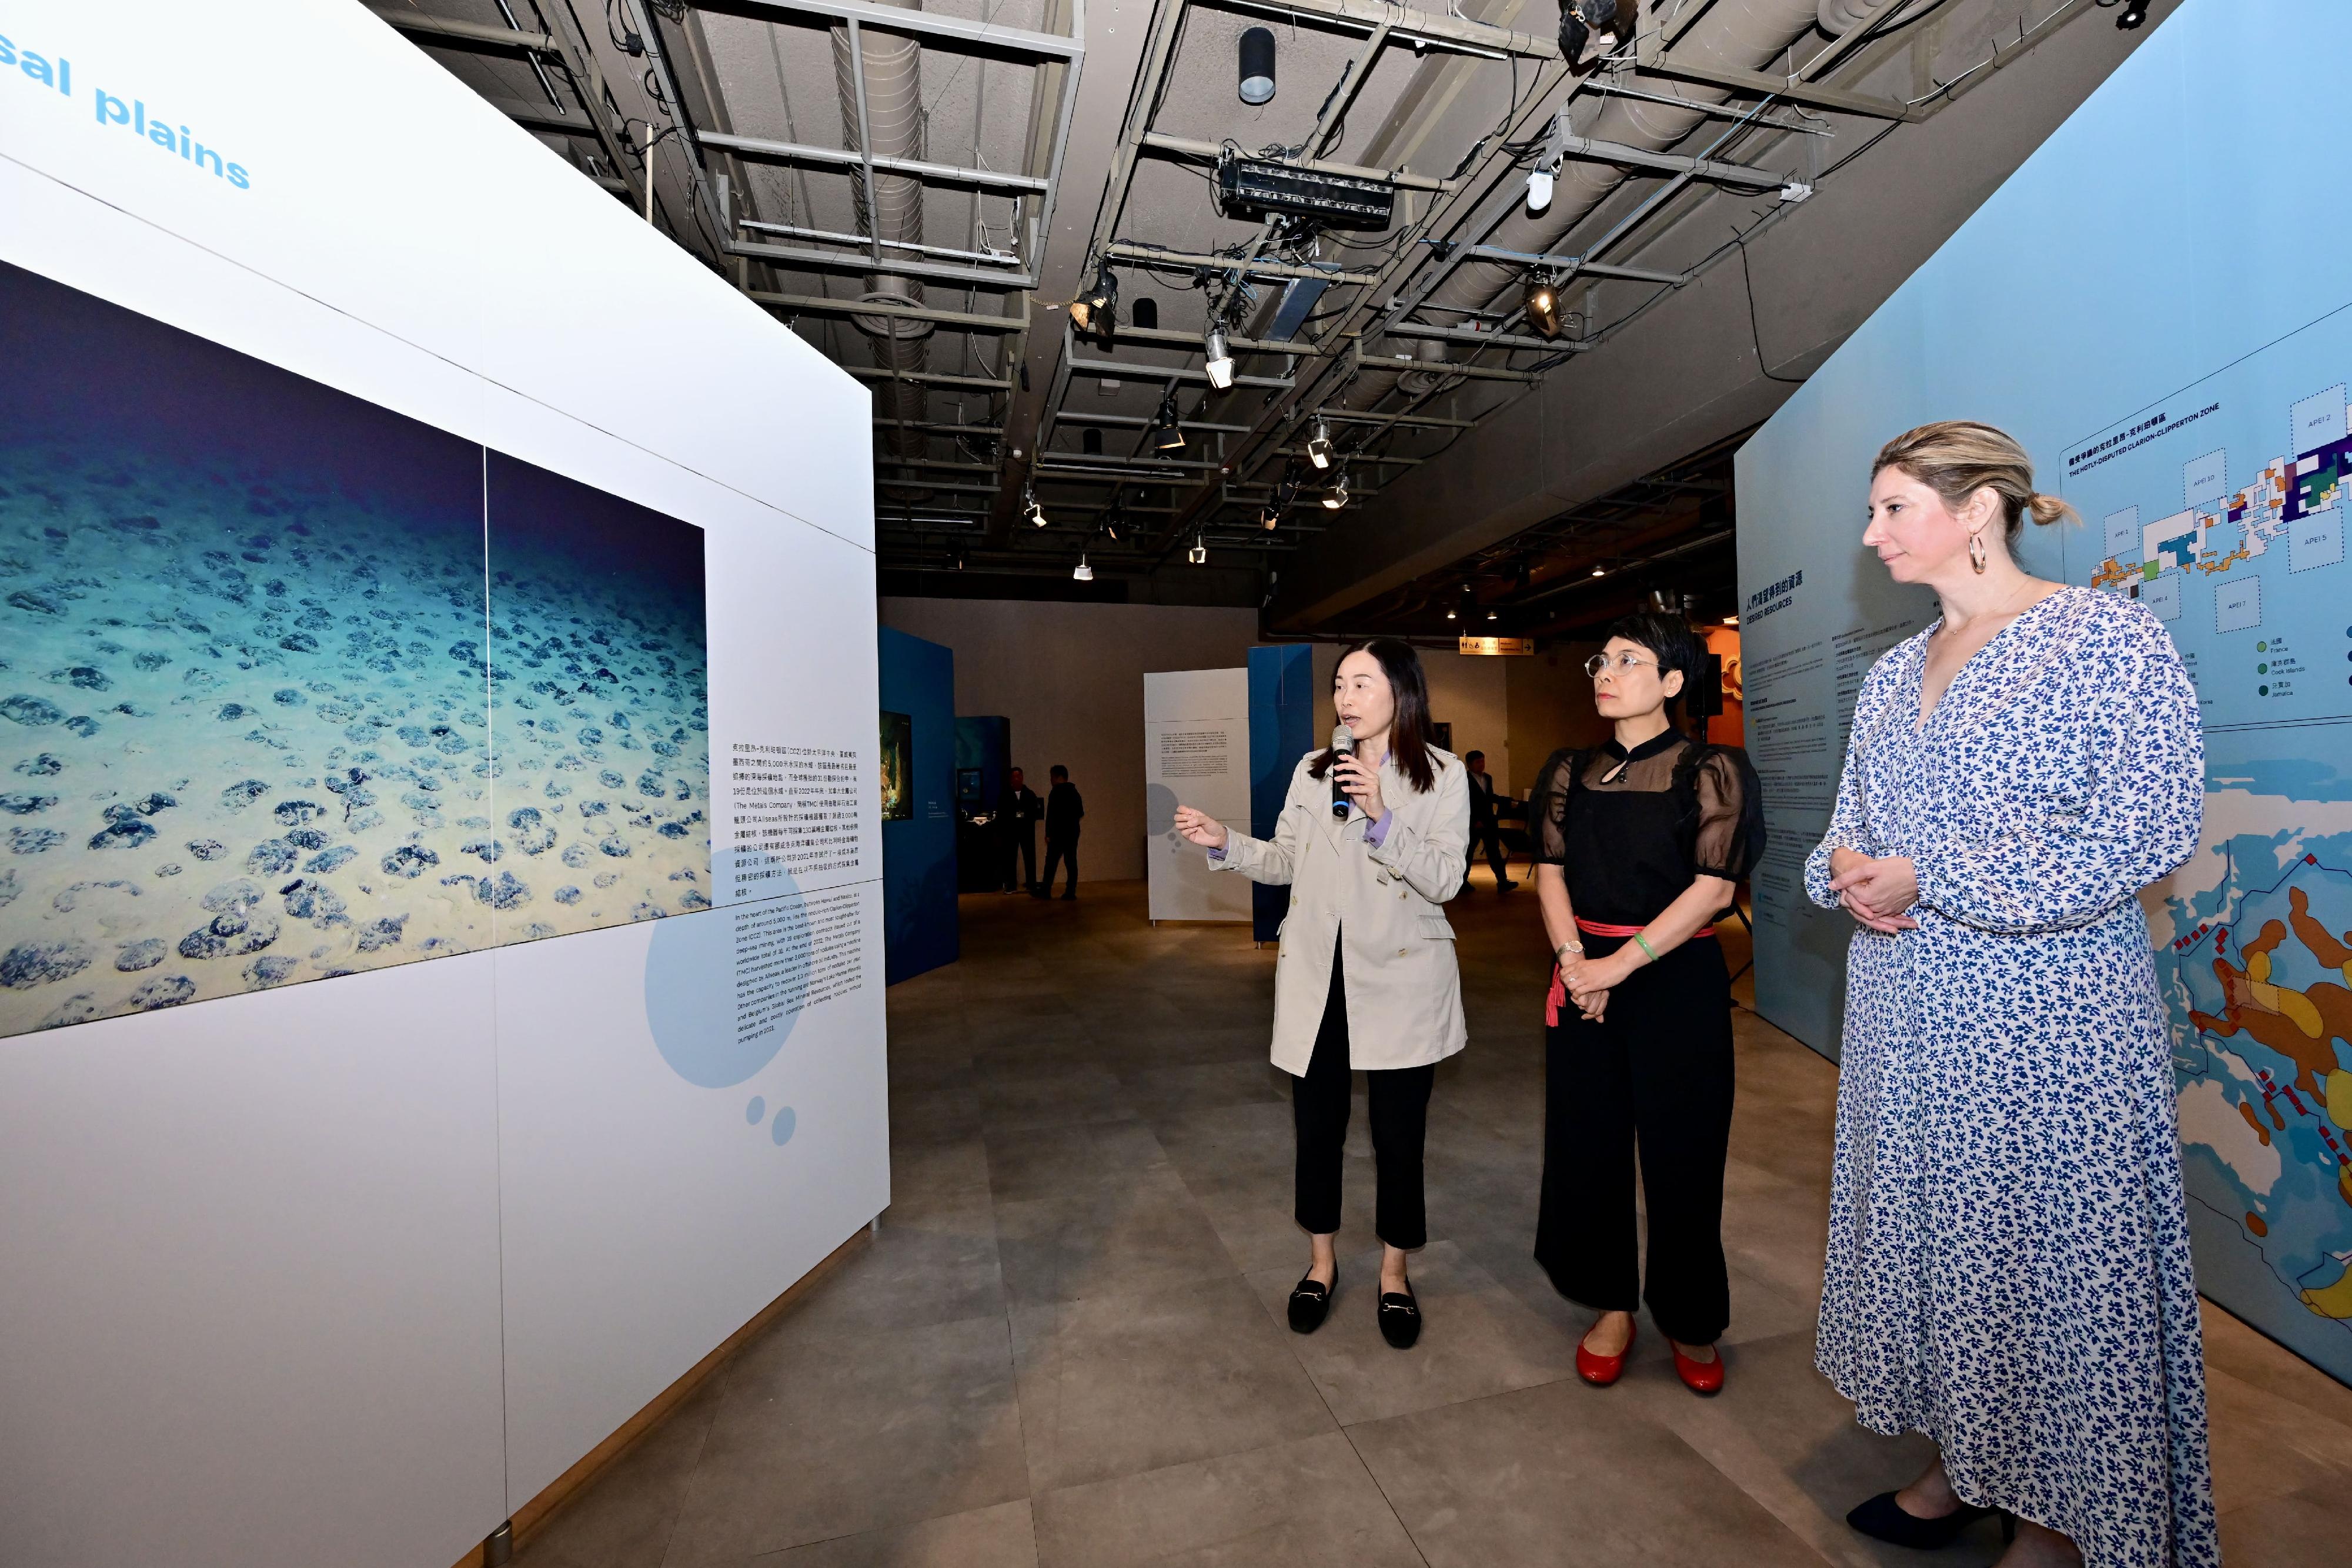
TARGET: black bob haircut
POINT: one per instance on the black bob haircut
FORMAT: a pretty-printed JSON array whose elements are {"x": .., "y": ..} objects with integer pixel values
[{"x": 1669, "y": 639}]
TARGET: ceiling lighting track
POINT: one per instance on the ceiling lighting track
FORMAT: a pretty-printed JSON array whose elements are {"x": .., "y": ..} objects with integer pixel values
[
  {"x": 1144, "y": 254},
  {"x": 1136, "y": 421},
  {"x": 1625, "y": 156},
  {"x": 835, "y": 261},
  {"x": 1119, "y": 372},
  {"x": 1566, "y": 264},
  {"x": 931, "y": 378},
  {"x": 827, "y": 305},
  {"x": 1484, "y": 340},
  {"x": 760, "y": 148},
  {"x": 1651, "y": 57},
  {"x": 928, "y": 25},
  {"x": 989, "y": 258}
]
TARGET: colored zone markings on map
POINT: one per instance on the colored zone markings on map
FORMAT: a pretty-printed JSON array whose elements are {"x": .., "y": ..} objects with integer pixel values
[
  {"x": 2299, "y": 1023},
  {"x": 2284, "y": 492}
]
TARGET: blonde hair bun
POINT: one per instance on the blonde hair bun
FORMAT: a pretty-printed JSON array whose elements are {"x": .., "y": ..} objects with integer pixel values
[
  {"x": 1957, "y": 457},
  {"x": 2048, "y": 509}
]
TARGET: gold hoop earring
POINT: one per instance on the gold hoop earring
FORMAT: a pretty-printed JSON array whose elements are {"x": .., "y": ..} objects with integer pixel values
[{"x": 1976, "y": 557}]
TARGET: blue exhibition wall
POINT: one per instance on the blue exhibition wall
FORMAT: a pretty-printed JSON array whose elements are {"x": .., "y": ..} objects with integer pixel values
[
  {"x": 919, "y": 847},
  {"x": 1281, "y": 731},
  {"x": 2157, "y": 305}
]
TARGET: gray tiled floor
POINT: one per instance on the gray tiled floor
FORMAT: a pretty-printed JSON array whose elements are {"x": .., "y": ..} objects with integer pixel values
[{"x": 1066, "y": 1345}]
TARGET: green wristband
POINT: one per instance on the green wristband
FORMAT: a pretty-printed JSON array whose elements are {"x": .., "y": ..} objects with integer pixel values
[{"x": 1643, "y": 943}]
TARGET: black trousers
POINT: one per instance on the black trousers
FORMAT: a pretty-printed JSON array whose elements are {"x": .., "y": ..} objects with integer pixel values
[
  {"x": 1399, "y": 1112},
  {"x": 1057, "y": 851},
  {"x": 1488, "y": 836},
  {"x": 1019, "y": 852},
  {"x": 1653, "y": 1080}
]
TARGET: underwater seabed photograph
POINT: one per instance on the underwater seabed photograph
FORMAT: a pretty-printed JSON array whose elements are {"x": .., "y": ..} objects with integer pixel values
[
  {"x": 246, "y": 672},
  {"x": 599, "y": 709}
]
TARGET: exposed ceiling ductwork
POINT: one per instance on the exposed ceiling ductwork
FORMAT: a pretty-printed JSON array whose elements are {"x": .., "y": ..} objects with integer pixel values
[
  {"x": 884, "y": 100},
  {"x": 921, "y": 187}
]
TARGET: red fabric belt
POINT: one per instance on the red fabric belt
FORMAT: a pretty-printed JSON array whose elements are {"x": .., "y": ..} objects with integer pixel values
[
  {"x": 1596, "y": 928},
  {"x": 1556, "y": 997}
]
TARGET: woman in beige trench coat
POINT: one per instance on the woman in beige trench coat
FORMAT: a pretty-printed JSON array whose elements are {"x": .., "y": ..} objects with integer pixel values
[{"x": 1365, "y": 979}]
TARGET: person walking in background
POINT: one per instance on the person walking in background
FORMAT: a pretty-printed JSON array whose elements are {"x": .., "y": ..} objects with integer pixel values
[
  {"x": 1372, "y": 841},
  {"x": 1064, "y": 810},
  {"x": 1022, "y": 810},
  {"x": 1485, "y": 831},
  {"x": 2009, "y": 1267},
  {"x": 1640, "y": 845}
]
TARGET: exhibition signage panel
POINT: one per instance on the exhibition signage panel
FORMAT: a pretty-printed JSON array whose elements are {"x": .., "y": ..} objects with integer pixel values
[
  {"x": 1196, "y": 752},
  {"x": 2204, "y": 438},
  {"x": 440, "y": 960},
  {"x": 919, "y": 825},
  {"x": 1282, "y": 696}
]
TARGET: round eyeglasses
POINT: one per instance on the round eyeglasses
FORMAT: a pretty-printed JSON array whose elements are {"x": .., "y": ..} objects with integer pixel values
[{"x": 1626, "y": 661}]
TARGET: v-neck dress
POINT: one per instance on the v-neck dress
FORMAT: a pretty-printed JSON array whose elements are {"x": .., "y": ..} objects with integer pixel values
[{"x": 2009, "y": 1267}]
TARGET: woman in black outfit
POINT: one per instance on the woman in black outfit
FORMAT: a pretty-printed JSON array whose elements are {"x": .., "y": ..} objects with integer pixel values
[{"x": 1640, "y": 843}]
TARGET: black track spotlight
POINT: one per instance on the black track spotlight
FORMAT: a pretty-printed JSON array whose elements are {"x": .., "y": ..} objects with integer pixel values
[
  {"x": 1166, "y": 434},
  {"x": 2133, "y": 16},
  {"x": 1031, "y": 507},
  {"x": 1540, "y": 301},
  {"x": 1113, "y": 517},
  {"x": 1318, "y": 442},
  {"x": 1258, "y": 66},
  {"x": 1270, "y": 519},
  {"x": 1216, "y": 359},
  {"x": 1579, "y": 21},
  {"x": 1097, "y": 310}
]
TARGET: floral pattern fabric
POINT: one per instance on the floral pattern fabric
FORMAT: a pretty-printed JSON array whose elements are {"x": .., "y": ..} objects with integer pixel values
[{"x": 2009, "y": 1267}]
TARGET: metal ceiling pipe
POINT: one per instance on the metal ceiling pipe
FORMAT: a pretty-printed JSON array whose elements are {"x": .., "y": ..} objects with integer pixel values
[
  {"x": 890, "y": 87},
  {"x": 1743, "y": 35}
]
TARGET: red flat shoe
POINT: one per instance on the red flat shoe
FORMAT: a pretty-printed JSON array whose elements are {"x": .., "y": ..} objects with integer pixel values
[
  {"x": 1601, "y": 1371},
  {"x": 1698, "y": 1376}
]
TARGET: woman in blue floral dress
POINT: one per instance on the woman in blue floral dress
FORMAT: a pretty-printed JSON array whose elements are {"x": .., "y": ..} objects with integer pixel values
[{"x": 2009, "y": 1266}]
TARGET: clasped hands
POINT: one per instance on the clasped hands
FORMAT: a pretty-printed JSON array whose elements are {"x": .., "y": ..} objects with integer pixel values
[
  {"x": 1589, "y": 980},
  {"x": 1875, "y": 892}
]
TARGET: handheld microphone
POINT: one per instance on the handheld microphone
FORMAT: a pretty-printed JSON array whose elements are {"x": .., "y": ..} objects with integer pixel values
[{"x": 1343, "y": 744}]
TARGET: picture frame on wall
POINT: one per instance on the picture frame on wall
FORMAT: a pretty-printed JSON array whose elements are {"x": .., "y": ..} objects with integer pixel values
[{"x": 897, "y": 767}]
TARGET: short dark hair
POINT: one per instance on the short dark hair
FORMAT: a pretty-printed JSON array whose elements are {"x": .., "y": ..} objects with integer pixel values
[
  {"x": 1057, "y": 771},
  {"x": 1473, "y": 757},
  {"x": 1669, "y": 639}
]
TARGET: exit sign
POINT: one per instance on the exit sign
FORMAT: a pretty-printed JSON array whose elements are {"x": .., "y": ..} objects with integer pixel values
[{"x": 1499, "y": 644}]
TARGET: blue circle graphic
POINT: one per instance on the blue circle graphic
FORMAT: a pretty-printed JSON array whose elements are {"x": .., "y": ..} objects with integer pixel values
[
  {"x": 692, "y": 972},
  {"x": 757, "y": 1111},
  {"x": 781, "y": 1130}
]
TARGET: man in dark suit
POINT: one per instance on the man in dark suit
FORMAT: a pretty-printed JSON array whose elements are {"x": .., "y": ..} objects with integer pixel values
[
  {"x": 1484, "y": 829},
  {"x": 1064, "y": 810},
  {"x": 1022, "y": 812}
]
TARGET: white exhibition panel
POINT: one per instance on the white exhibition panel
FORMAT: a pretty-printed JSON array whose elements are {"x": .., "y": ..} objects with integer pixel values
[
  {"x": 1195, "y": 753},
  {"x": 365, "y": 1262},
  {"x": 647, "y": 1218},
  {"x": 252, "y": 1283}
]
